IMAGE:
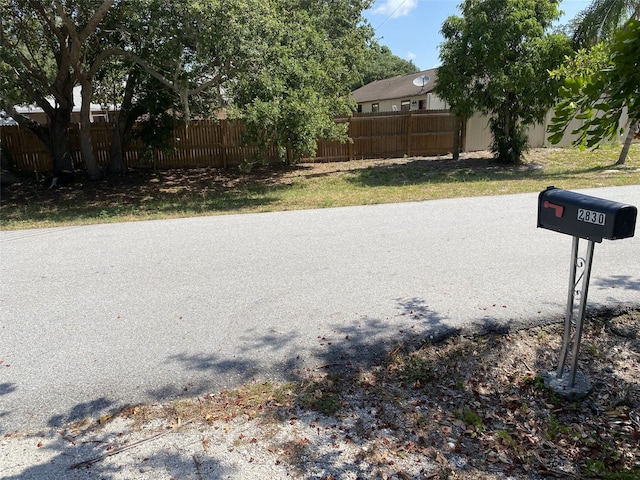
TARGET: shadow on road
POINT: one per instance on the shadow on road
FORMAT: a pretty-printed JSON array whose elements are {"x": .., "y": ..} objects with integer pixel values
[
  {"x": 7, "y": 388},
  {"x": 81, "y": 411},
  {"x": 357, "y": 345},
  {"x": 341, "y": 350},
  {"x": 624, "y": 282}
]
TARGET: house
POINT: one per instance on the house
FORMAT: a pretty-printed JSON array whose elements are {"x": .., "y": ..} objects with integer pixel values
[
  {"x": 97, "y": 113},
  {"x": 408, "y": 92},
  {"x": 415, "y": 92}
]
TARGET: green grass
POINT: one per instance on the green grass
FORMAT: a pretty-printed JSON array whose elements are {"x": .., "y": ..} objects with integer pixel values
[
  {"x": 212, "y": 192},
  {"x": 470, "y": 417}
]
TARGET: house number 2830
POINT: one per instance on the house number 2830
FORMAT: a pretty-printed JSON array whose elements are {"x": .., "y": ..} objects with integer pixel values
[{"x": 590, "y": 216}]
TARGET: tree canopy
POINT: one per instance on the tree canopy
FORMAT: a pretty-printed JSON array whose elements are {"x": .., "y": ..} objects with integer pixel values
[
  {"x": 599, "y": 85},
  {"x": 599, "y": 81},
  {"x": 381, "y": 63},
  {"x": 495, "y": 60},
  {"x": 287, "y": 63},
  {"x": 601, "y": 20},
  {"x": 290, "y": 99}
]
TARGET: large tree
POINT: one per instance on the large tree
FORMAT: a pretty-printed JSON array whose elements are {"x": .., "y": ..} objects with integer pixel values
[
  {"x": 50, "y": 47},
  {"x": 37, "y": 68},
  {"x": 381, "y": 63},
  {"x": 189, "y": 47},
  {"x": 175, "y": 60},
  {"x": 594, "y": 81},
  {"x": 495, "y": 60},
  {"x": 292, "y": 96},
  {"x": 297, "y": 56},
  {"x": 600, "y": 85}
]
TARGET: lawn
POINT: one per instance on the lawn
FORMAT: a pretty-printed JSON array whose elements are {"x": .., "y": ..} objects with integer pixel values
[{"x": 145, "y": 195}]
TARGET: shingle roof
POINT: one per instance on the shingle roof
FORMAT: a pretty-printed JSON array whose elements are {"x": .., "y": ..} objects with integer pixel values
[{"x": 396, "y": 87}]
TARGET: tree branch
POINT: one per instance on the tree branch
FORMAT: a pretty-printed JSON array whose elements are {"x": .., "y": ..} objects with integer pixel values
[
  {"x": 146, "y": 66},
  {"x": 40, "y": 131},
  {"x": 39, "y": 9},
  {"x": 95, "y": 20}
]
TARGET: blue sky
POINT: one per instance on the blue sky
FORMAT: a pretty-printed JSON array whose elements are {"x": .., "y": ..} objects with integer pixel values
[{"x": 411, "y": 28}]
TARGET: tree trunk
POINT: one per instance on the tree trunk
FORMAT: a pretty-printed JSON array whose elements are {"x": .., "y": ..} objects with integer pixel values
[
  {"x": 59, "y": 141},
  {"x": 456, "y": 138},
  {"x": 627, "y": 143},
  {"x": 55, "y": 136},
  {"x": 86, "y": 143},
  {"x": 116, "y": 152},
  {"x": 123, "y": 125}
]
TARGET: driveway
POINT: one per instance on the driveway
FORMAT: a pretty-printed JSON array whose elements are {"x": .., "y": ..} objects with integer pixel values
[{"x": 98, "y": 317}]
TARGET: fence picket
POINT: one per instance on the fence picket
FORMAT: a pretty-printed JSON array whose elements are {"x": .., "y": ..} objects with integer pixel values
[{"x": 219, "y": 144}]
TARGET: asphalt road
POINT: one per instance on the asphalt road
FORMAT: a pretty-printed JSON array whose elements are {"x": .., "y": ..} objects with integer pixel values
[{"x": 94, "y": 318}]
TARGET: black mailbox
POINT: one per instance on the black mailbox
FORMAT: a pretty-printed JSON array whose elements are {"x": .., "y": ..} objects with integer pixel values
[{"x": 584, "y": 216}]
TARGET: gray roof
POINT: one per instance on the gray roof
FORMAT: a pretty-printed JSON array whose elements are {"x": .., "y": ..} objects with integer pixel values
[{"x": 396, "y": 87}]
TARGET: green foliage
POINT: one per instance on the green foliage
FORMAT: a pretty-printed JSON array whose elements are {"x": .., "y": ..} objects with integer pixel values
[
  {"x": 470, "y": 417},
  {"x": 416, "y": 371},
  {"x": 495, "y": 60},
  {"x": 289, "y": 99},
  {"x": 601, "y": 20},
  {"x": 598, "y": 85},
  {"x": 509, "y": 144},
  {"x": 27, "y": 65},
  {"x": 34, "y": 65},
  {"x": 380, "y": 64},
  {"x": 327, "y": 403},
  {"x": 285, "y": 65},
  {"x": 323, "y": 395}
]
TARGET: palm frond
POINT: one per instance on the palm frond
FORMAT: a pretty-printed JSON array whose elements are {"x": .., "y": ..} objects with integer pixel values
[{"x": 600, "y": 20}]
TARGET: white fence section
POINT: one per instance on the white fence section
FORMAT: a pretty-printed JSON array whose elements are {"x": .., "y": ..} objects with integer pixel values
[{"x": 478, "y": 135}]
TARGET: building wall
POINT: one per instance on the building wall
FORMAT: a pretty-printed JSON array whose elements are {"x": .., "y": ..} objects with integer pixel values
[
  {"x": 478, "y": 135},
  {"x": 432, "y": 102},
  {"x": 97, "y": 116}
]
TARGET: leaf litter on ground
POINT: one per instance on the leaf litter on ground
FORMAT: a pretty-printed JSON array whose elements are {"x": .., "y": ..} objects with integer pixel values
[{"x": 470, "y": 406}]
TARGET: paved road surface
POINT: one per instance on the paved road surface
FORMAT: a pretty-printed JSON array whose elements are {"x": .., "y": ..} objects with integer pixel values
[{"x": 94, "y": 318}]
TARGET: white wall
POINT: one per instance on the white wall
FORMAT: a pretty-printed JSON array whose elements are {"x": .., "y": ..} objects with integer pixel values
[
  {"x": 433, "y": 103},
  {"x": 478, "y": 135}
]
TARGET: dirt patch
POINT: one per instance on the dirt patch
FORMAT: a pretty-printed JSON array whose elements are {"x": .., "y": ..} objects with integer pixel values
[
  {"x": 476, "y": 407},
  {"x": 137, "y": 185}
]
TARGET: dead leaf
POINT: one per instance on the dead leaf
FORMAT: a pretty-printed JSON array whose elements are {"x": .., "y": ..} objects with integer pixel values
[
  {"x": 105, "y": 418},
  {"x": 459, "y": 423}
]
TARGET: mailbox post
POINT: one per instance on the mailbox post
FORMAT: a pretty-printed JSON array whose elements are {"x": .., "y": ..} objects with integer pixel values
[{"x": 592, "y": 219}]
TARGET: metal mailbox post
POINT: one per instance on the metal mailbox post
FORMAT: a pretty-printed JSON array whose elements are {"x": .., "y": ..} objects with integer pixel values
[{"x": 593, "y": 219}]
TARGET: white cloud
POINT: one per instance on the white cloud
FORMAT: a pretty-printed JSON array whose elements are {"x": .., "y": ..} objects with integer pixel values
[
  {"x": 396, "y": 8},
  {"x": 411, "y": 56}
]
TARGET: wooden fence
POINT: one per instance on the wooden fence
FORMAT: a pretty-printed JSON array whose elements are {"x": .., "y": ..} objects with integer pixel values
[{"x": 220, "y": 144}]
